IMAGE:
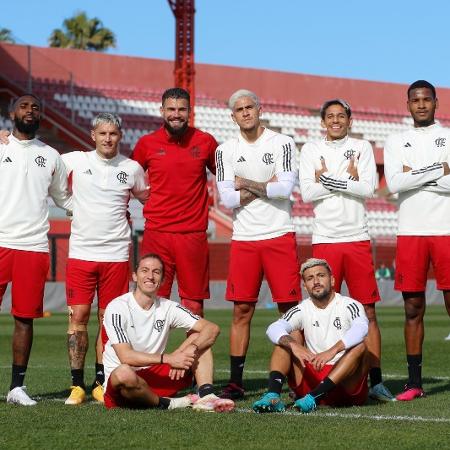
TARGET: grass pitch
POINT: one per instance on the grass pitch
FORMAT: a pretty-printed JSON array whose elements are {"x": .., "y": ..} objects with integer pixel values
[{"x": 424, "y": 423}]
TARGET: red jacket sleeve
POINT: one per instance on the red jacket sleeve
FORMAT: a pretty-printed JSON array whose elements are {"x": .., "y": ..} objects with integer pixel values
[{"x": 140, "y": 153}]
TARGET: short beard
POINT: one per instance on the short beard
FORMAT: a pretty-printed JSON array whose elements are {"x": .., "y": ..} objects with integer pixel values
[
  {"x": 425, "y": 122},
  {"x": 323, "y": 296},
  {"x": 177, "y": 132},
  {"x": 28, "y": 129}
]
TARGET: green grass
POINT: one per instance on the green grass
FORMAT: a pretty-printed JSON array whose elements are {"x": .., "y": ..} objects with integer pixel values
[{"x": 423, "y": 424}]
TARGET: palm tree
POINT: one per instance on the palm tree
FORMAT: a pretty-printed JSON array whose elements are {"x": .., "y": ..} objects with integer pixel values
[
  {"x": 6, "y": 36},
  {"x": 83, "y": 33}
]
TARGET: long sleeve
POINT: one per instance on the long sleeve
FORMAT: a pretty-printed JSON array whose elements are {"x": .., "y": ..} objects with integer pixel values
[
  {"x": 224, "y": 164},
  {"x": 285, "y": 171},
  {"x": 365, "y": 186},
  {"x": 58, "y": 189},
  {"x": 309, "y": 188},
  {"x": 399, "y": 181},
  {"x": 228, "y": 195}
]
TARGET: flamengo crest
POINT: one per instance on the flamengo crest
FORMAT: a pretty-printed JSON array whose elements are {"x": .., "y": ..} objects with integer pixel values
[
  {"x": 40, "y": 161},
  {"x": 268, "y": 158},
  {"x": 159, "y": 325},
  {"x": 440, "y": 142},
  {"x": 349, "y": 153},
  {"x": 122, "y": 177}
]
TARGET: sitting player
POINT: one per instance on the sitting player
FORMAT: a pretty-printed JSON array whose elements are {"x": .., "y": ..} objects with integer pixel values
[
  {"x": 331, "y": 365},
  {"x": 138, "y": 372}
]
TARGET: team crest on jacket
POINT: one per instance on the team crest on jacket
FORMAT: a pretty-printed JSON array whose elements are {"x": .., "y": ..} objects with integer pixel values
[
  {"x": 159, "y": 325},
  {"x": 40, "y": 161},
  {"x": 268, "y": 158},
  {"x": 195, "y": 152},
  {"x": 337, "y": 323},
  {"x": 349, "y": 154},
  {"x": 440, "y": 142},
  {"x": 122, "y": 177}
]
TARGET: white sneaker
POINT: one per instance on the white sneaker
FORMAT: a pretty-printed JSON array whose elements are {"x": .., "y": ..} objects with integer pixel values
[
  {"x": 212, "y": 403},
  {"x": 182, "y": 402},
  {"x": 447, "y": 338},
  {"x": 19, "y": 396}
]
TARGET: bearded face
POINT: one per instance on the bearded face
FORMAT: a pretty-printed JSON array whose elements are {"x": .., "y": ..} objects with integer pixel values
[{"x": 26, "y": 115}]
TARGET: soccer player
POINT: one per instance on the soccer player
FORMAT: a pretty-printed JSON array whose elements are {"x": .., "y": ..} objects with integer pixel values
[
  {"x": 256, "y": 172},
  {"x": 139, "y": 372},
  {"x": 176, "y": 157},
  {"x": 329, "y": 366},
  {"x": 416, "y": 165},
  {"x": 102, "y": 181},
  {"x": 29, "y": 172},
  {"x": 337, "y": 174}
]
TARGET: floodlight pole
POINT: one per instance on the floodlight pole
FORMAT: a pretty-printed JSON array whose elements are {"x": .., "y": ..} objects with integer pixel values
[{"x": 184, "y": 71}]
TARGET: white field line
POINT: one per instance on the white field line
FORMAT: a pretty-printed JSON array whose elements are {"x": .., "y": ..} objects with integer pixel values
[
  {"x": 315, "y": 414},
  {"x": 360, "y": 416}
]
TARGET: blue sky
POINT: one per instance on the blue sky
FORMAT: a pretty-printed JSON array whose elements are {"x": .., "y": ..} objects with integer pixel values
[{"x": 397, "y": 40}]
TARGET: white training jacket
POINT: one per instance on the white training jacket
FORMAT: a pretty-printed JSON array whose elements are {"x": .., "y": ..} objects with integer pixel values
[
  {"x": 423, "y": 191},
  {"x": 271, "y": 154},
  {"x": 30, "y": 171},
  {"x": 338, "y": 199}
]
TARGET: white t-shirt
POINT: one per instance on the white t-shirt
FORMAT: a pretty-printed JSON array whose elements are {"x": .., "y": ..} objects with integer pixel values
[
  {"x": 339, "y": 200},
  {"x": 145, "y": 330},
  {"x": 424, "y": 191},
  {"x": 271, "y": 154},
  {"x": 30, "y": 171},
  {"x": 101, "y": 191},
  {"x": 322, "y": 328}
]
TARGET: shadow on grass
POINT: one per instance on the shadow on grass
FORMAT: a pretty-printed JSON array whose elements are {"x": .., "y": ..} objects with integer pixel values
[
  {"x": 54, "y": 395},
  {"x": 397, "y": 386}
]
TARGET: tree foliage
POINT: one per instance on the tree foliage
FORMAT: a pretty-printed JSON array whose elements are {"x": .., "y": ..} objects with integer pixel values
[
  {"x": 83, "y": 33},
  {"x": 6, "y": 36}
]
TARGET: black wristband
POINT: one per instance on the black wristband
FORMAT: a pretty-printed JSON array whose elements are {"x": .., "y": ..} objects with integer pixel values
[{"x": 161, "y": 360}]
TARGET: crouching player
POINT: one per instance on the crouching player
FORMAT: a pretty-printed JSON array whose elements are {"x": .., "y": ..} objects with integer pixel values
[
  {"x": 138, "y": 372},
  {"x": 330, "y": 367}
]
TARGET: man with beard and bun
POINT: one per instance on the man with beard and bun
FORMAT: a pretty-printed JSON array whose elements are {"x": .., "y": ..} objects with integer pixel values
[
  {"x": 176, "y": 157},
  {"x": 329, "y": 365},
  {"x": 30, "y": 171},
  {"x": 416, "y": 164}
]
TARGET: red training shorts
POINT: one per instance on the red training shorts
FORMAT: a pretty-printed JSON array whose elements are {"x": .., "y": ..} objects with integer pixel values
[
  {"x": 83, "y": 278},
  {"x": 338, "y": 396},
  {"x": 414, "y": 254},
  {"x": 352, "y": 262},
  {"x": 27, "y": 271},
  {"x": 185, "y": 254},
  {"x": 157, "y": 378},
  {"x": 275, "y": 258}
]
